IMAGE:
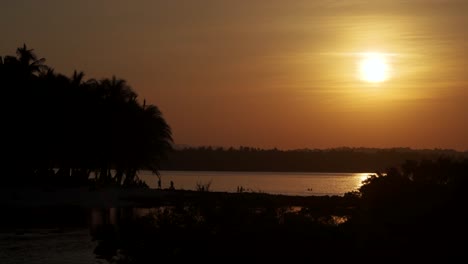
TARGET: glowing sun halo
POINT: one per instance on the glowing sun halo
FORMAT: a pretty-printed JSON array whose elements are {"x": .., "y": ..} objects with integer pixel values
[{"x": 373, "y": 67}]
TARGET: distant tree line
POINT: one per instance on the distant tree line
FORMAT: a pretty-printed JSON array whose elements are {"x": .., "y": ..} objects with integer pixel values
[
  {"x": 317, "y": 160},
  {"x": 67, "y": 129}
]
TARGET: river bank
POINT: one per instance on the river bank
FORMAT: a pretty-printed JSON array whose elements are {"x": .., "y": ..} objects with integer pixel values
[
  {"x": 143, "y": 197},
  {"x": 72, "y": 207},
  {"x": 176, "y": 224}
]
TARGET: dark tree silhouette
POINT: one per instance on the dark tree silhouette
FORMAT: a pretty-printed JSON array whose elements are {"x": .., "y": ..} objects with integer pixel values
[
  {"x": 28, "y": 62},
  {"x": 65, "y": 129},
  {"x": 414, "y": 209}
]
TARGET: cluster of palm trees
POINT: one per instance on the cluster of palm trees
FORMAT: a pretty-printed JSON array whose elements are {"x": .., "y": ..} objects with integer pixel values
[{"x": 68, "y": 129}]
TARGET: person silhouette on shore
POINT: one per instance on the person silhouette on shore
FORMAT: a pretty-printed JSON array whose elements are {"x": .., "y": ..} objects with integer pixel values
[
  {"x": 159, "y": 183},
  {"x": 172, "y": 186}
]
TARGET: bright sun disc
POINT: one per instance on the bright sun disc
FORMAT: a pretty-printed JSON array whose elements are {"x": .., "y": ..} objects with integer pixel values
[{"x": 373, "y": 67}]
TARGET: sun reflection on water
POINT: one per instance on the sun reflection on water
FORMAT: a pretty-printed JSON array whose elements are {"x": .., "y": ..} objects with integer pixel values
[{"x": 363, "y": 177}]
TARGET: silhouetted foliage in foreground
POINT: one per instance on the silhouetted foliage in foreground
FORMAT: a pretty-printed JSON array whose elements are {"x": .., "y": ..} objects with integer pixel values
[
  {"x": 232, "y": 229},
  {"x": 415, "y": 211},
  {"x": 60, "y": 130}
]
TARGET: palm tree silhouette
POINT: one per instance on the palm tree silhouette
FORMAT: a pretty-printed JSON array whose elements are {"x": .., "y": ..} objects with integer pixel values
[
  {"x": 78, "y": 126},
  {"x": 117, "y": 89},
  {"x": 77, "y": 78},
  {"x": 29, "y": 62}
]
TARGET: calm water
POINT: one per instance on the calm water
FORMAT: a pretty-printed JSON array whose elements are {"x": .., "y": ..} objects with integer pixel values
[
  {"x": 288, "y": 183},
  {"x": 76, "y": 246}
]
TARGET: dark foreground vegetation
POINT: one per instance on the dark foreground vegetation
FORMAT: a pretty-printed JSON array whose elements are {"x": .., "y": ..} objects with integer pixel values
[{"x": 414, "y": 211}]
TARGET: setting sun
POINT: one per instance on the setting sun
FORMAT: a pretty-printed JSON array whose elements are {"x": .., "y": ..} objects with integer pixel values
[{"x": 373, "y": 67}]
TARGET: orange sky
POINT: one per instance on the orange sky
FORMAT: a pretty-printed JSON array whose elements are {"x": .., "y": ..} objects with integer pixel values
[{"x": 268, "y": 73}]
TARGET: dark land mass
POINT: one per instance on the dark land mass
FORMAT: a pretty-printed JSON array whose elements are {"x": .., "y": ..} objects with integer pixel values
[
  {"x": 209, "y": 226},
  {"x": 302, "y": 160},
  {"x": 413, "y": 212}
]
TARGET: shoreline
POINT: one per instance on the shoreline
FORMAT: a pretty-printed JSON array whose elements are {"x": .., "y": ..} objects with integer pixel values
[
  {"x": 65, "y": 209},
  {"x": 107, "y": 197}
]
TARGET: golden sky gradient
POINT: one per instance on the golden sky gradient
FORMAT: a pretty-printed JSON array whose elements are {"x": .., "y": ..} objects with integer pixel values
[{"x": 268, "y": 73}]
